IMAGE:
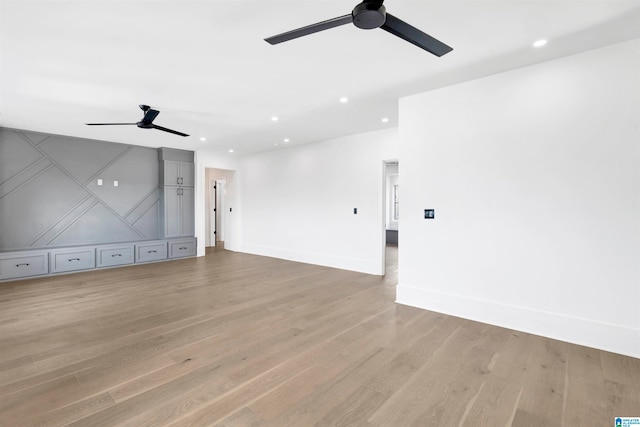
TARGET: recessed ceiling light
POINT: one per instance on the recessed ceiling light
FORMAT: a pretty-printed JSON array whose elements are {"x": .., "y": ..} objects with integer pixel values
[
  {"x": 385, "y": 119},
  {"x": 274, "y": 118},
  {"x": 540, "y": 43},
  {"x": 344, "y": 100},
  {"x": 231, "y": 150},
  {"x": 203, "y": 139},
  {"x": 286, "y": 140}
]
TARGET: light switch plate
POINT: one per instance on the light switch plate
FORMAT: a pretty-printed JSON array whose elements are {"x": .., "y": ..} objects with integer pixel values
[
  {"x": 115, "y": 183},
  {"x": 99, "y": 182}
]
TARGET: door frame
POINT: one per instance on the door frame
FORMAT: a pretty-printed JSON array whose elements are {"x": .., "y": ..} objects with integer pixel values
[
  {"x": 385, "y": 209},
  {"x": 213, "y": 214},
  {"x": 221, "y": 213}
]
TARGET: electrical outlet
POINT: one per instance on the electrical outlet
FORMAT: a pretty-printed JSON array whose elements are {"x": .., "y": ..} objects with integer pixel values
[
  {"x": 99, "y": 182},
  {"x": 429, "y": 213}
]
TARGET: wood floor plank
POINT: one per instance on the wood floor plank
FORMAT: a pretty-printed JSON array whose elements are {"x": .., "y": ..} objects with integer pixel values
[
  {"x": 67, "y": 414},
  {"x": 233, "y": 339}
]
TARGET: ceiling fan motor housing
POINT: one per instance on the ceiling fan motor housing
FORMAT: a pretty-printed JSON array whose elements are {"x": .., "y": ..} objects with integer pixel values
[{"x": 369, "y": 15}]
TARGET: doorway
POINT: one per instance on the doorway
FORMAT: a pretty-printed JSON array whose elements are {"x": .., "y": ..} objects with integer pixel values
[
  {"x": 219, "y": 195},
  {"x": 391, "y": 215},
  {"x": 217, "y": 222}
]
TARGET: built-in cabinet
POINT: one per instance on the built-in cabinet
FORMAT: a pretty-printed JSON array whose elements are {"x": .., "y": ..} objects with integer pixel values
[
  {"x": 178, "y": 211},
  {"x": 176, "y": 231},
  {"x": 114, "y": 255},
  {"x": 72, "y": 259},
  {"x": 177, "y": 197},
  {"x": 15, "y": 265},
  {"x": 151, "y": 251},
  {"x": 181, "y": 248},
  {"x": 24, "y": 264},
  {"x": 178, "y": 173}
]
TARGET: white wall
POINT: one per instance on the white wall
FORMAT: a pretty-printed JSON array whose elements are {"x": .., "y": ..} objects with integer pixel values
[
  {"x": 297, "y": 203},
  {"x": 534, "y": 175}
]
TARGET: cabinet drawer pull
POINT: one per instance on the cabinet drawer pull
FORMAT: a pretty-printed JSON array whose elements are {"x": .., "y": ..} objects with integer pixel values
[
  {"x": 114, "y": 255},
  {"x": 26, "y": 264},
  {"x": 74, "y": 259},
  {"x": 152, "y": 252},
  {"x": 183, "y": 248}
]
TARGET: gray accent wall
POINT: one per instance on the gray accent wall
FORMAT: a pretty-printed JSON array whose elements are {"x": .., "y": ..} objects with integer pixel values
[{"x": 49, "y": 193}]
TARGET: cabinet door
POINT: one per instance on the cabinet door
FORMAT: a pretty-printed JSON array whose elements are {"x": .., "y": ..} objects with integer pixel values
[
  {"x": 171, "y": 172},
  {"x": 23, "y": 264},
  {"x": 187, "y": 174},
  {"x": 172, "y": 212},
  {"x": 182, "y": 247},
  {"x": 73, "y": 259},
  {"x": 188, "y": 211},
  {"x": 151, "y": 251}
]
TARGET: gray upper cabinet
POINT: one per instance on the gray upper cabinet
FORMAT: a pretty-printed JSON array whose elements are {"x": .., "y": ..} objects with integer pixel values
[
  {"x": 177, "y": 176},
  {"x": 178, "y": 173}
]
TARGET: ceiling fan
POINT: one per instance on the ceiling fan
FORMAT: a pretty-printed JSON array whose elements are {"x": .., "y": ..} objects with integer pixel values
[
  {"x": 146, "y": 122},
  {"x": 368, "y": 15}
]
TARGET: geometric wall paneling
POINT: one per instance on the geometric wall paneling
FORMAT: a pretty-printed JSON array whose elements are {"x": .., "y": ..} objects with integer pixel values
[
  {"x": 136, "y": 171},
  {"x": 148, "y": 222},
  {"x": 143, "y": 206},
  {"x": 24, "y": 176},
  {"x": 35, "y": 137},
  {"x": 98, "y": 225},
  {"x": 49, "y": 194},
  {"x": 44, "y": 239},
  {"x": 144, "y": 217},
  {"x": 36, "y": 206},
  {"x": 16, "y": 154},
  {"x": 50, "y": 199},
  {"x": 82, "y": 158}
]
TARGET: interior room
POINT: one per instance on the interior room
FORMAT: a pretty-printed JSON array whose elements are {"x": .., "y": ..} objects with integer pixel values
[{"x": 201, "y": 222}]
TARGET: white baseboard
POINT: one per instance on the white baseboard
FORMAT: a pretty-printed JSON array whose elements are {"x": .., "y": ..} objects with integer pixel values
[
  {"x": 354, "y": 264},
  {"x": 603, "y": 336}
]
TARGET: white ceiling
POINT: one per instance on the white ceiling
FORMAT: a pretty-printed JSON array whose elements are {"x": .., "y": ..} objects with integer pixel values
[{"x": 205, "y": 66}]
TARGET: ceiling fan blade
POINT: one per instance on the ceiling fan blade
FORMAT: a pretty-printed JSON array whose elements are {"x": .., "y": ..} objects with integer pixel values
[
  {"x": 149, "y": 116},
  {"x": 310, "y": 29},
  {"x": 169, "y": 130},
  {"x": 399, "y": 28},
  {"x": 108, "y": 124}
]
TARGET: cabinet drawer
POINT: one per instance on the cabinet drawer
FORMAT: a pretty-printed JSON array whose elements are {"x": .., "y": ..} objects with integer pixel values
[
  {"x": 152, "y": 251},
  {"x": 25, "y": 264},
  {"x": 72, "y": 259},
  {"x": 107, "y": 256},
  {"x": 182, "y": 248}
]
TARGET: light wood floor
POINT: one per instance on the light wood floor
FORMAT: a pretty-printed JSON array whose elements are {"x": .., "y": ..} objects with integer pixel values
[{"x": 238, "y": 340}]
